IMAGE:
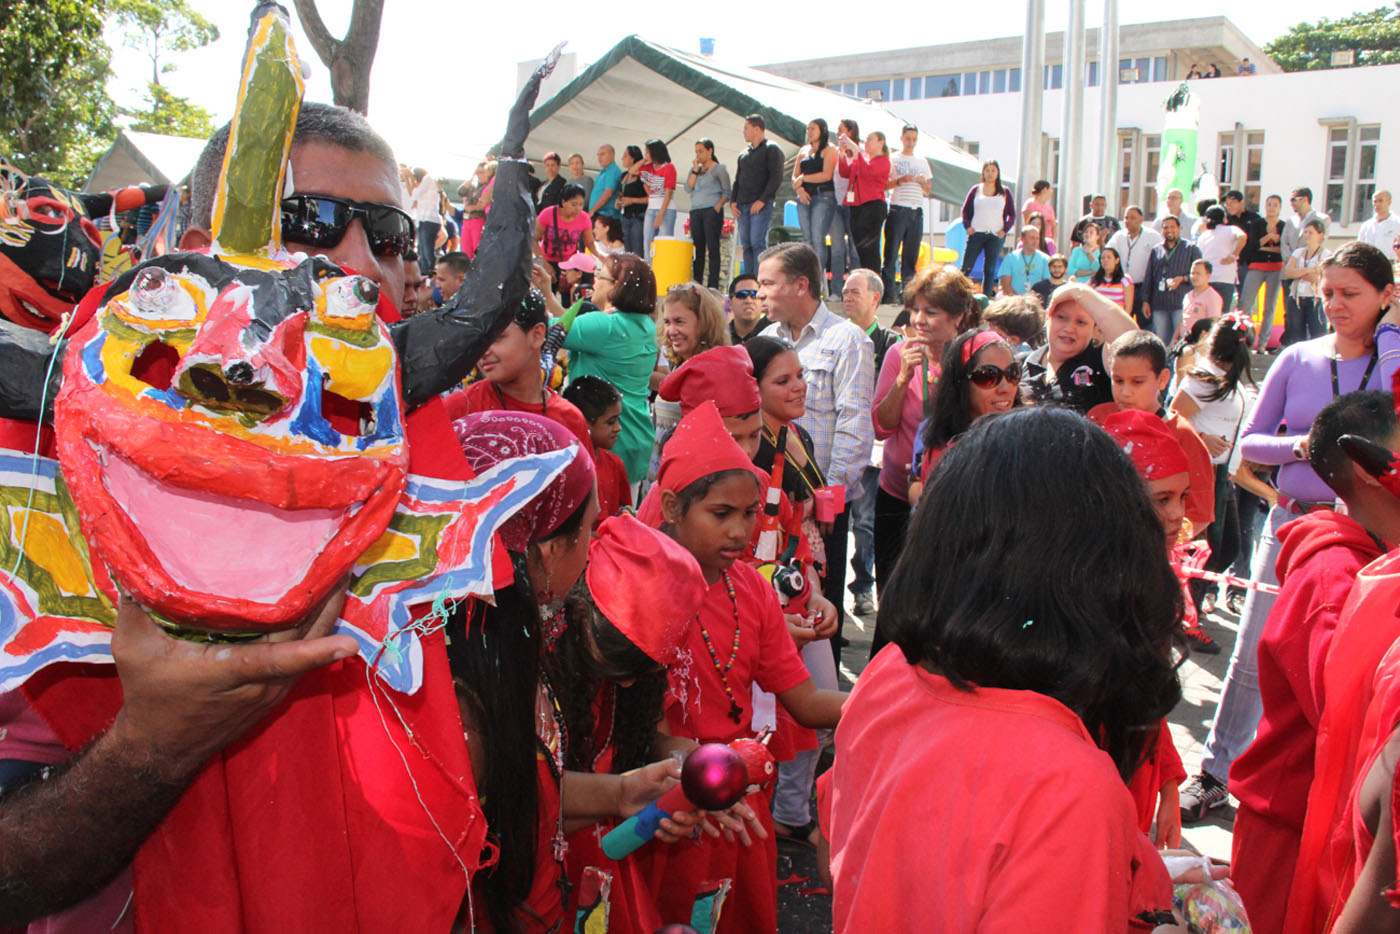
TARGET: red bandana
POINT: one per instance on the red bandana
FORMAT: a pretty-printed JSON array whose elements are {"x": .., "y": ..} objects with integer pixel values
[
  {"x": 1154, "y": 450},
  {"x": 647, "y": 586},
  {"x": 488, "y": 438},
  {"x": 723, "y": 376}
]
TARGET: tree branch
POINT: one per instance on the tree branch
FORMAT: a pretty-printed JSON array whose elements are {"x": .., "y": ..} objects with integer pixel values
[{"x": 326, "y": 45}]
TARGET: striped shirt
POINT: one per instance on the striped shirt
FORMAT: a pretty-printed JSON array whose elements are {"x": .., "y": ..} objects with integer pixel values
[{"x": 839, "y": 361}]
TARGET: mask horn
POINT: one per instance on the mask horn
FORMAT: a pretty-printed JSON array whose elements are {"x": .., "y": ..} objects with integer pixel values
[
  {"x": 1376, "y": 459},
  {"x": 248, "y": 201},
  {"x": 438, "y": 349}
]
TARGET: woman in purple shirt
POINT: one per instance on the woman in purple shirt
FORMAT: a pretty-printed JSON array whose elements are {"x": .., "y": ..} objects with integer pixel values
[{"x": 1363, "y": 353}]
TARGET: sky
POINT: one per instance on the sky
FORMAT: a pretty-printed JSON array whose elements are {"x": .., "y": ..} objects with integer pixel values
[{"x": 445, "y": 73}]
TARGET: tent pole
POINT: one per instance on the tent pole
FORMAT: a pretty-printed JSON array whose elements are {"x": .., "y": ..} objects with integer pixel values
[{"x": 699, "y": 120}]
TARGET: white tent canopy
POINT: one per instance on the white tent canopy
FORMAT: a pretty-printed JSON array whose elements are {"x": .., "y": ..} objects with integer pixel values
[
  {"x": 640, "y": 90},
  {"x": 145, "y": 158}
]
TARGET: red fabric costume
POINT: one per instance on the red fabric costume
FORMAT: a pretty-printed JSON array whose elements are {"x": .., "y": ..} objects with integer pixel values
[
  {"x": 613, "y": 490},
  {"x": 1161, "y": 767},
  {"x": 1005, "y": 841},
  {"x": 1200, "y": 497},
  {"x": 483, "y": 396},
  {"x": 302, "y": 823},
  {"x": 1319, "y": 558},
  {"x": 1346, "y": 734}
]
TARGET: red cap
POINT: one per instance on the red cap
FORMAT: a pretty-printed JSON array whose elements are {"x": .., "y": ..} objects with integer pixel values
[
  {"x": 646, "y": 585},
  {"x": 700, "y": 446},
  {"x": 1146, "y": 439},
  {"x": 722, "y": 375}
]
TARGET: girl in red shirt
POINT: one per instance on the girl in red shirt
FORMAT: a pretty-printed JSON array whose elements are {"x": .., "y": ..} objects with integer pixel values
[
  {"x": 868, "y": 171},
  {"x": 711, "y": 499}
]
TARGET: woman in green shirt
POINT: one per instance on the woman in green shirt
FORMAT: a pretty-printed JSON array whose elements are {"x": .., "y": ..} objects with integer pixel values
[{"x": 618, "y": 344}]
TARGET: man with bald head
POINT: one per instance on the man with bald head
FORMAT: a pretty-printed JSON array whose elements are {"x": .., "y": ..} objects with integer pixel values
[
  {"x": 1382, "y": 229},
  {"x": 606, "y": 185}
]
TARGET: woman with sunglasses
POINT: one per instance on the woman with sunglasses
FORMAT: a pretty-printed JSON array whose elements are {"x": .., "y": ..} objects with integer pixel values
[
  {"x": 981, "y": 376},
  {"x": 941, "y": 304}
]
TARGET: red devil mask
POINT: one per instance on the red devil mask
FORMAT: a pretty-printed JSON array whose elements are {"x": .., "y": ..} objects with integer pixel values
[
  {"x": 49, "y": 249},
  {"x": 207, "y": 406}
]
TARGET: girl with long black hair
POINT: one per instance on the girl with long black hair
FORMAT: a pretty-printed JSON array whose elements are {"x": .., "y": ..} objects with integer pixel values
[{"x": 986, "y": 724}]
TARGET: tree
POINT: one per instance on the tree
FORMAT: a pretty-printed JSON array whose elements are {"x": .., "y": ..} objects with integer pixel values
[
  {"x": 348, "y": 59},
  {"x": 159, "y": 26},
  {"x": 1373, "y": 36},
  {"x": 172, "y": 115},
  {"x": 55, "y": 114}
]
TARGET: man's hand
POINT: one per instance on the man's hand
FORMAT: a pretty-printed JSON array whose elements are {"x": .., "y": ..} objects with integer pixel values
[
  {"x": 1216, "y": 444},
  {"x": 184, "y": 701},
  {"x": 756, "y": 208}
]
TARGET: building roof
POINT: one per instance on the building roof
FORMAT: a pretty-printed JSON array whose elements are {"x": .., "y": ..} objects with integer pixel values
[
  {"x": 134, "y": 158},
  {"x": 1206, "y": 39}
]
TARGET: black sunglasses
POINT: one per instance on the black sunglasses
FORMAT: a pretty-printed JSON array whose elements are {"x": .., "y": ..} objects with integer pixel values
[
  {"x": 321, "y": 221},
  {"x": 746, "y": 293},
  {"x": 985, "y": 375}
]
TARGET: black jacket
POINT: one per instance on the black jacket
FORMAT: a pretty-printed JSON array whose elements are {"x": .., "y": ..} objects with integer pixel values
[{"x": 759, "y": 173}]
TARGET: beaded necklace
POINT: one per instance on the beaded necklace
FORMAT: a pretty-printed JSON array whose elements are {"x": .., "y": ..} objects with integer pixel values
[{"x": 735, "y": 711}]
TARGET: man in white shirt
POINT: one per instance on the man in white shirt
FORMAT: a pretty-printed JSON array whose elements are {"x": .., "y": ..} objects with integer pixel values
[
  {"x": 423, "y": 208},
  {"x": 1184, "y": 218},
  {"x": 1382, "y": 229},
  {"x": 839, "y": 361},
  {"x": 1134, "y": 244},
  {"x": 910, "y": 184}
]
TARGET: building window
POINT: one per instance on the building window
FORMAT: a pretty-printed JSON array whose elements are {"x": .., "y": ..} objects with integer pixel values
[
  {"x": 1253, "y": 169},
  {"x": 1159, "y": 68},
  {"x": 999, "y": 81},
  {"x": 1225, "y": 170},
  {"x": 1093, "y": 74},
  {"x": 916, "y": 88},
  {"x": 1126, "y": 151},
  {"x": 1152, "y": 164},
  {"x": 873, "y": 90},
  {"x": 985, "y": 86},
  {"x": 897, "y": 89},
  {"x": 1014, "y": 83},
  {"x": 969, "y": 85},
  {"x": 1054, "y": 77},
  {"x": 942, "y": 85},
  {"x": 1370, "y": 141},
  {"x": 1050, "y": 159}
]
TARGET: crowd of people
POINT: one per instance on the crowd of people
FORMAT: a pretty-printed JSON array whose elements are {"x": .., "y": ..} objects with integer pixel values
[{"x": 1049, "y": 478}]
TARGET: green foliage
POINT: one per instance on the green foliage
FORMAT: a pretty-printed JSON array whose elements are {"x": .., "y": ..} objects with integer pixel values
[
  {"x": 1374, "y": 36},
  {"x": 159, "y": 26},
  {"x": 172, "y": 115},
  {"x": 55, "y": 114}
]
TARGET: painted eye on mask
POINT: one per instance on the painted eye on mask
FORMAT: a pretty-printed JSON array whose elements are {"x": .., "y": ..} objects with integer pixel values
[
  {"x": 157, "y": 299},
  {"x": 349, "y": 302}
]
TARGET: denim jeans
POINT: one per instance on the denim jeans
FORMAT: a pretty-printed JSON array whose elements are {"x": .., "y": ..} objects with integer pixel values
[
  {"x": 863, "y": 528},
  {"x": 752, "y": 231},
  {"x": 989, "y": 246},
  {"x": 904, "y": 230},
  {"x": 843, "y": 248},
  {"x": 650, "y": 231},
  {"x": 1226, "y": 291},
  {"x": 632, "y": 234},
  {"x": 815, "y": 221},
  {"x": 1310, "y": 315},
  {"x": 1237, "y": 714},
  {"x": 1164, "y": 322},
  {"x": 1249, "y": 296},
  {"x": 706, "y": 224},
  {"x": 792, "y": 795},
  {"x": 427, "y": 246},
  {"x": 1292, "y": 318}
]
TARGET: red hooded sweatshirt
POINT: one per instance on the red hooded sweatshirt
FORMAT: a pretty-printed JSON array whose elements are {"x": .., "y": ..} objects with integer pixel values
[{"x": 1320, "y": 556}]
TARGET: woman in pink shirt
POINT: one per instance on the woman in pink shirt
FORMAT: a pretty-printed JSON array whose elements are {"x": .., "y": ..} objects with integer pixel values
[
  {"x": 1040, "y": 203},
  {"x": 868, "y": 171},
  {"x": 941, "y": 305}
]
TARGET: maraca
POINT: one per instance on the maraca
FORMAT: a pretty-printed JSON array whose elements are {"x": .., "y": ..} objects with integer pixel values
[{"x": 713, "y": 777}]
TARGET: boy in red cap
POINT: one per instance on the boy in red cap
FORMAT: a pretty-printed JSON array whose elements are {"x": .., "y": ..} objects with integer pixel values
[
  {"x": 512, "y": 379},
  {"x": 710, "y": 497},
  {"x": 1162, "y": 464},
  {"x": 1138, "y": 368}
]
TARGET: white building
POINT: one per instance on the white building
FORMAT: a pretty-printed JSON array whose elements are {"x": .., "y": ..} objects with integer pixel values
[{"x": 1265, "y": 134}]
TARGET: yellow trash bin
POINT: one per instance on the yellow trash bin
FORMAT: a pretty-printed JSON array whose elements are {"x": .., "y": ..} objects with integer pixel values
[
  {"x": 671, "y": 261},
  {"x": 941, "y": 254}
]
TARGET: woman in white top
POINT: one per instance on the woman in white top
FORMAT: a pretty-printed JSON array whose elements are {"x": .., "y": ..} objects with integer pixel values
[
  {"x": 1213, "y": 400},
  {"x": 1304, "y": 269},
  {"x": 1220, "y": 245},
  {"x": 988, "y": 214}
]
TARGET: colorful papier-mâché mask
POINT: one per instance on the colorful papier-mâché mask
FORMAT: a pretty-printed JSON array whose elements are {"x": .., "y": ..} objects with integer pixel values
[{"x": 208, "y": 406}]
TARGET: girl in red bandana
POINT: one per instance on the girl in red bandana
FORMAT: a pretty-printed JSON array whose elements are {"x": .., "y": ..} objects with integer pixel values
[{"x": 710, "y": 500}]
